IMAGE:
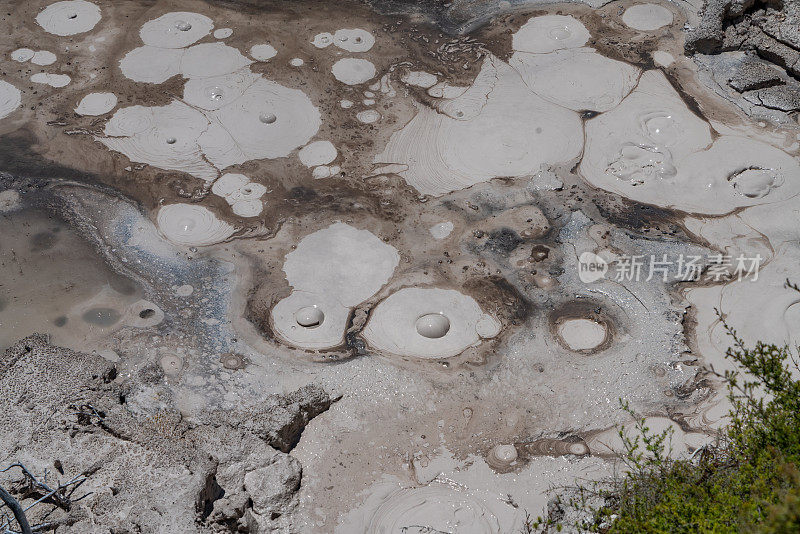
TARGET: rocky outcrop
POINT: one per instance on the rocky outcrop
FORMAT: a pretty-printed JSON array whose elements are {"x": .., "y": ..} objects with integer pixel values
[
  {"x": 279, "y": 419},
  {"x": 66, "y": 411},
  {"x": 768, "y": 31}
]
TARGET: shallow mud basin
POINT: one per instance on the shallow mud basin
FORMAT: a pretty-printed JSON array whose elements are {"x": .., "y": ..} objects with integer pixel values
[{"x": 375, "y": 267}]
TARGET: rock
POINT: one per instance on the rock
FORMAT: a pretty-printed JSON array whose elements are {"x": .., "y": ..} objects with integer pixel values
[
  {"x": 783, "y": 98},
  {"x": 73, "y": 408},
  {"x": 272, "y": 487},
  {"x": 755, "y": 74},
  {"x": 280, "y": 419},
  {"x": 230, "y": 509},
  {"x": 768, "y": 31}
]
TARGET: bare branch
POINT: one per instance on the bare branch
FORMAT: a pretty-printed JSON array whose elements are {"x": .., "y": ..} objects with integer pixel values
[{"x": 16, "y": 509}]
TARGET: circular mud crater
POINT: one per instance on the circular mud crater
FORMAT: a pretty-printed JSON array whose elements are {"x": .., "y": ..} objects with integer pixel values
[{"x": 582, "y": 327}]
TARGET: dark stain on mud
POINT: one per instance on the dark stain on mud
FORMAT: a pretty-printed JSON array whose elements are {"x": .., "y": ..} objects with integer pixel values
[
  {"x": 18, "y": 157},
  {"x": 497, "y": 295},
  {"x": 641, "y": 218},
  {"x": 689, "y": 100},
  {"x": 503, "y": 241},
  {"x": 303, "y": 194}
]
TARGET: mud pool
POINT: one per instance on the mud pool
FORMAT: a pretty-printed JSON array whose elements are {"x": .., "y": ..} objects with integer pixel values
[{"x": 476, "y": 226}]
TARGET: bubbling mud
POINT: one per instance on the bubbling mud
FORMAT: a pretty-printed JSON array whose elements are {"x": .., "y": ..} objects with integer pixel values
[
  {"x": 242, "y": 195},
  {"x": 502, "y": 457},
  {"x": 230, "y": 130},
  {"x": 428, "y": 323},
  {"x": 437, "y": 507},
  {"x": 331, "y": 271},
  {"x": 651, "y": 148},
  {"x": 309, "y": 316},
  {"x": 355, "y": 40},
  {"x": 433, "y": 325},
  {"x": 69, "y": 17},
  {"x": 143, "y": 314},
  {"x": 191, "y": 225}
]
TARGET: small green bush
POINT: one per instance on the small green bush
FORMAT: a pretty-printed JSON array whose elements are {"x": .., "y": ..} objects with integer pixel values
[{"x": 747, "y": 481}]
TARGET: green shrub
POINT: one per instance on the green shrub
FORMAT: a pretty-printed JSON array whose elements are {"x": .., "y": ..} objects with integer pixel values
[{"x": 747, "y": 481}]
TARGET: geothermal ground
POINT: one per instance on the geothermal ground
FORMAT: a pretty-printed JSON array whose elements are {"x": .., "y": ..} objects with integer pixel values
[{"x": 377, "y": 267}]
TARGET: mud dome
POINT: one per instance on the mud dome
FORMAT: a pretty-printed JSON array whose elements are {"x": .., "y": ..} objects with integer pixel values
[{"x": 368, "y": 267}]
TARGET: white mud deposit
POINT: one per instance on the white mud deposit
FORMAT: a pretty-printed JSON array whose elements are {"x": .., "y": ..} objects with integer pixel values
[
  {"x": 96, "y": 104},
  {"x": 186, "y": 224},
  {"x": 10, "y": 98},
  {"x": 317, "y": 153},
  {"x": 463, "y": 143},
  {"x": 647, "y": 17},
  {"x": 53, "y": 80},
  {"x": 352, "y": 272},
  {"x": 353, "y": 71},
  {"x": 354, "y": 40},
  {"x": 22, "y": 54},
  {"x": 223, "y": 120},
  {"x": 243, "y": 195},
  {"x": 263, "y": 52},
  {"x": 653, "y": 149},
  {"x": 548, "y": 33},
  {"x": 581, "y": 334},
  {"x": 330, "y": 271},
  {"x": 43, "y": 57},
  {"x": 428, "y": 323},
  {"x": 69, "y": 17}
]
